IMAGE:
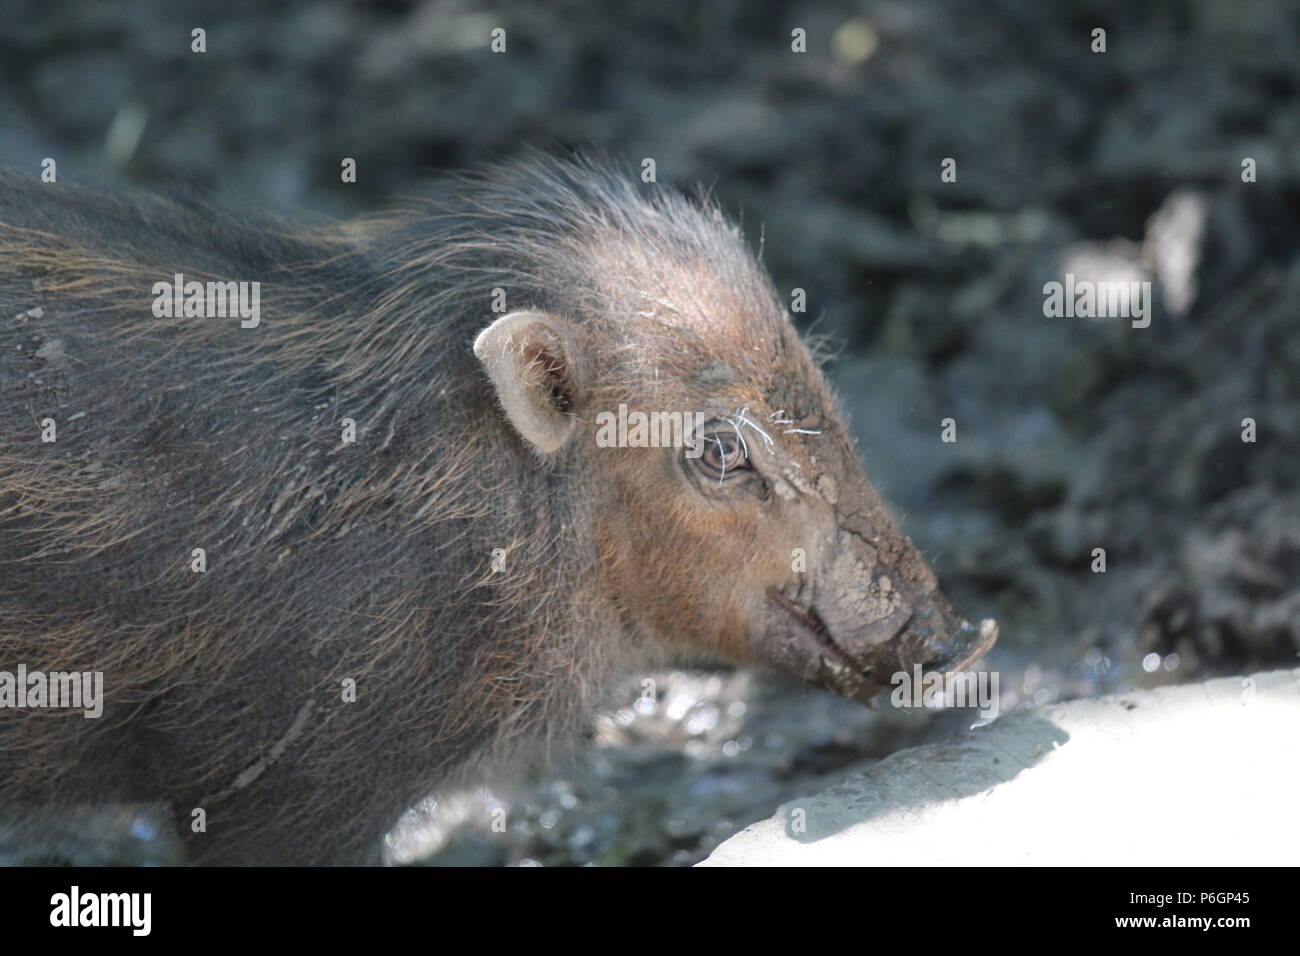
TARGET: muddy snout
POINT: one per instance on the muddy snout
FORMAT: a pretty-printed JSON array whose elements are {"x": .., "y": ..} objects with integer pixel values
[
  {"x": 922, "y": 629},
  {"x": 938, "y": 638},
  {"x": 956, "y": 647},
  {"x": 934, "y": 638}
]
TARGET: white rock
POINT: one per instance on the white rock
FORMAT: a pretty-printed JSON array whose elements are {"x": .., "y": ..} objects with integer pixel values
[{"x": 1197, "y": 774}]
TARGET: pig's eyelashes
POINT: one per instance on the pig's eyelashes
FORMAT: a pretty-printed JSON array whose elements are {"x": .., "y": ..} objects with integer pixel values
[{"x": 723, "y": 455}]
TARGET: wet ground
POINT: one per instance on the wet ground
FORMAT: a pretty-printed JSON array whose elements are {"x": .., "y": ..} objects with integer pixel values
[{"x": 1072, "y": 434}]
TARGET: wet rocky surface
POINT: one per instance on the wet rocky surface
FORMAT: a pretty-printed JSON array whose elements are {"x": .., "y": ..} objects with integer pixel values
[{"x": 1072, "y": 434}]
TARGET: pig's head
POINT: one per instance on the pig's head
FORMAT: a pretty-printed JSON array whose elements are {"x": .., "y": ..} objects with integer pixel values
[{"x": 758, "y": 539}]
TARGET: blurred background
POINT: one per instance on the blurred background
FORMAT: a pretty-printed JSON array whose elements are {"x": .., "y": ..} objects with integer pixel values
[{"x": 1072, "y": 434}]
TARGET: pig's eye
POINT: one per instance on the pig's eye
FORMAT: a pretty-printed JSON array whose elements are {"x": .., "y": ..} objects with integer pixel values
[{"x": 723, "y": 455}]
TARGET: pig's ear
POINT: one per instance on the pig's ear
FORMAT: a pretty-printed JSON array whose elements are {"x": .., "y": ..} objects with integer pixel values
[{"x": 531, "y": 359}]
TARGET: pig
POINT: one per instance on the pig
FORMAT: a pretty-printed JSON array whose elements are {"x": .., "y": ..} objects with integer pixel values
[{"x": 331, "y": 556}]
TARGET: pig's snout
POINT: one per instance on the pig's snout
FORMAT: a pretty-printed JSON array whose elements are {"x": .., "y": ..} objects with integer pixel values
[
  {"x": 956, "y": 648},
  {"x": 873, "y": 622},
  {"x": 938, "y": 638},
  {"x": 931, "y": 635}
]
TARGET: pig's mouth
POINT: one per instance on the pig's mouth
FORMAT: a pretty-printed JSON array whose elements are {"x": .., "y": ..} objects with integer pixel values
[
  {"x": 813, "y": 623},
  {"x": 837, "y": 669},
  {"x": 861, "y": 676}
]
